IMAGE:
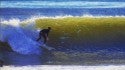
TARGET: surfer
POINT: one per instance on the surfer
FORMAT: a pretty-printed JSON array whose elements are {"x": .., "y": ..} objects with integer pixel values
[{"x": 44, "y": 33}]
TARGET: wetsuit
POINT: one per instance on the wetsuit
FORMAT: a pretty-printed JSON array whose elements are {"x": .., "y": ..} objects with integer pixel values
[{"x": 44, "y": 33}]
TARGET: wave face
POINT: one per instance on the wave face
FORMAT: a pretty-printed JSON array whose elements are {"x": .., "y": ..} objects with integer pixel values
[
  {"x": 86, "y": 33},
  {"x": 21, "y": 40}
]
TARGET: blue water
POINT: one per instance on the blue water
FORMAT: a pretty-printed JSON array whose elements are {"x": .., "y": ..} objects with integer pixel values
[
  {"x": 23, "y": 39},
  {"x": 23, "y": 13},
  {"x": 25, "y": 9},
  {"x": 28, "y": 36},
  {"x": 62, "y": 4}
]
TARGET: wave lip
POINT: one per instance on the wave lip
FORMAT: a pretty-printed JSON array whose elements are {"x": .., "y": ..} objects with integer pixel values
[{"x": 20, "y": 39}]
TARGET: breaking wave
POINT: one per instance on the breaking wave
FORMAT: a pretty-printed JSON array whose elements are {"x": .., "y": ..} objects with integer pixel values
[
  {"x": 22, "y": 35},
  {"x": 21, "y": 39}
]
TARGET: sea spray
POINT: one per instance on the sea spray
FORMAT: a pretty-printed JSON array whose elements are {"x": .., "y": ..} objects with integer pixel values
[{"x": 21, "y": 40}]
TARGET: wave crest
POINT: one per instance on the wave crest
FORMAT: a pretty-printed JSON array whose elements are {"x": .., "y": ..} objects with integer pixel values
[{"x": 21, "y": 39}]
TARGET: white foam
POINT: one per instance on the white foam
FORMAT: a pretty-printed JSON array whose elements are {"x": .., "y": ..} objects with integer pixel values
[
  {"x": 31, "y": 20},
  {"x": 70, "y": 16},
  {"x": 12, "y": 22},
  {"x": 21, "y": 40},
  {"x": 65, "y": 67}
]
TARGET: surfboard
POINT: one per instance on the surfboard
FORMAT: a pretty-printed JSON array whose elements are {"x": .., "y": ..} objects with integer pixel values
[{"x": 47, "y": 47}]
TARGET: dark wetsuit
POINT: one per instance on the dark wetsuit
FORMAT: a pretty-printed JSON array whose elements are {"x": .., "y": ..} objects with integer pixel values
[{"x": 44, "y": 33}]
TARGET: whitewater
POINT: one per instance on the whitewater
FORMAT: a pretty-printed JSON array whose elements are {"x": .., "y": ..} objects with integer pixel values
[
  {"x": 21, "y": 40},
  {"x": 65, "y": 67}
]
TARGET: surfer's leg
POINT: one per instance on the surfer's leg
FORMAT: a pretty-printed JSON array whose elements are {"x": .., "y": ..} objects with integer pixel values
[
  {"x": 44, "y": 40},
  {"x": 39, "y": 38},
  {"x": 44, "y": 37}
]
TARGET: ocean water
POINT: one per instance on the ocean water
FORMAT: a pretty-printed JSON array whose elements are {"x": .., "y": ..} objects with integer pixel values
[
  {"x": 50, "y": 8},
  {"x": 83, "y": 33},
  {"x": 25, "y": 13},
  {"x": 86, "y": 43}
]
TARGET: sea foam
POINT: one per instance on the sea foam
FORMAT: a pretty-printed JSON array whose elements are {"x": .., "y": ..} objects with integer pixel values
[
  {"x": 21, "y": 39},
  {"x": 65, "y": 67}
]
